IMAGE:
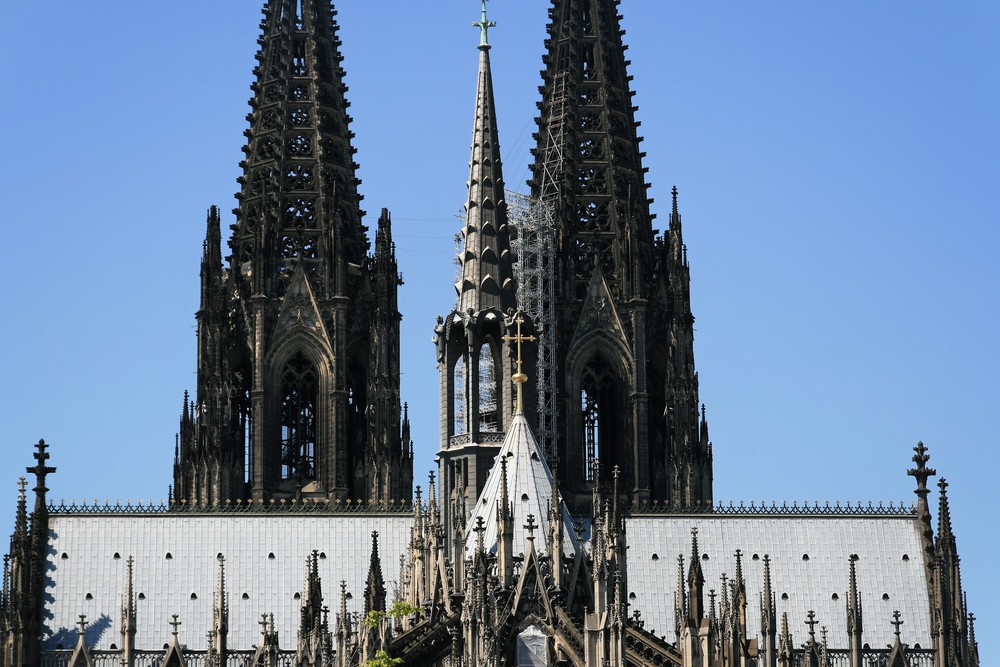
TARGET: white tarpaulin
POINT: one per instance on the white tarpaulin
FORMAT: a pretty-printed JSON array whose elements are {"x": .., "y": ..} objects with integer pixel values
[{"x": 532, "y": 648}]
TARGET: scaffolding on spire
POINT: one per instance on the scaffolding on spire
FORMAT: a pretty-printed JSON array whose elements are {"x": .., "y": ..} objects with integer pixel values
[{"x": 533, "y": 220}]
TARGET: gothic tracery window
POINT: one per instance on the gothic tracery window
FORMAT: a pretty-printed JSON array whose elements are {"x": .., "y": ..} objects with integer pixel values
[
  {"x": 299, "y": 391},
  {"x": 598, "y": 414},
  {"x": 591, "y": 432}
]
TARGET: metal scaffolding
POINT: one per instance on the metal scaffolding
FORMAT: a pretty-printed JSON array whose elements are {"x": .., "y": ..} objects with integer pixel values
[
  {"x": 533, "y": 244},
  {"x": 534, "y": 220}
]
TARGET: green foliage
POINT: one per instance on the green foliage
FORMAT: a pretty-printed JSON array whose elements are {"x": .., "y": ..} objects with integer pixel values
[
  {"x": 398, "y": 609},
  {"x": 402, "y": 608},
  {"x": 382, "y": 659}
]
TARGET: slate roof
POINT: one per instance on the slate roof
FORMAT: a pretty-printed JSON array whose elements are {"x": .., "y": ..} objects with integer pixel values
[
  {"x": 82, "y": 562},
  {"x": 90, "y": 542},
  {"x": 529, "y": 483},
  {"x": 880, "y": 542}
]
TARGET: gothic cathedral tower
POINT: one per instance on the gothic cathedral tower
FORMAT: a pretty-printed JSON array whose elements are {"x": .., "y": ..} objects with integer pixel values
[
  {"x": 625, "y": 388},
  {"x": 298, "y": 339}
]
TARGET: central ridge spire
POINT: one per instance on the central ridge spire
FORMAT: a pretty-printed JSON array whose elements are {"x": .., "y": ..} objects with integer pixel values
[
  {"x": 474, "y": 352},
  {"x": 486, "y": 278}
]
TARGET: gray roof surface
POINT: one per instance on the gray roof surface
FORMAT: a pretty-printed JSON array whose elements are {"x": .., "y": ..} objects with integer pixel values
[
  {"x": 879, "y": 541},
  {"x": 90, "y": 542},
  {"x": 529, "y": 484}
]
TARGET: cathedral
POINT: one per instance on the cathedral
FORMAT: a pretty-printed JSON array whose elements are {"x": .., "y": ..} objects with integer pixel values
[{"x": 571, "y": 520}]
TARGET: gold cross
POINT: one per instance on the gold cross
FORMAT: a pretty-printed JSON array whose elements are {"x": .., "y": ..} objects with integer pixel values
[{"x": 519, "y": 377}]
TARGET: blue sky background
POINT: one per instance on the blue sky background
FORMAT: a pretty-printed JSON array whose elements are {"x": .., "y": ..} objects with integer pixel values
[{"x": 838, "y": 168}]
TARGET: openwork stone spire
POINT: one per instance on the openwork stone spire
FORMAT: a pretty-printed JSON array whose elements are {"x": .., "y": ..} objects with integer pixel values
[
  {"x": 298, "y": 378},
  {"x": 625, "y": 360},
  {"x": 487, "y": 278},
  {"x": 299, "y": 200}
]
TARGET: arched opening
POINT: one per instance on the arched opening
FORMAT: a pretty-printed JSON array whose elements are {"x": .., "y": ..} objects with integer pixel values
[
  {"x": 459, "y": 388},
  {"x": 600, "y": 415},
  {"x": 591, "y": 432},
  {"x": 656, "y": 376},
  {"x": 299, "y": 393},
  {"x": 489, "y": 417}
]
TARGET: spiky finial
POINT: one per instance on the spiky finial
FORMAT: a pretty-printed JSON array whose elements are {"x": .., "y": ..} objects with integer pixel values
[
  {"x": 21, "y": 521},
  {"x": 375, "y": 592},
  {"x": 812, "y": 623},
  {"x": 896, "y": 623},
  {"x": 786, "y": 636},
  {"x": 921, "y": 472},
  {"x": 531, "y": 526},
  {"x": 40, "y": 470},
  {"x": 480, "y": 531},
  {"x": 504, "y": 491},
  {"x": 696, "y": 582},
  {"x": 944, "y": 511}
]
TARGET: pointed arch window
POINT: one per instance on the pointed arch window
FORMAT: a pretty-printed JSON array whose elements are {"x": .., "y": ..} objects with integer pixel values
[
  {"x": 598, "y": 414},
  {"x": 459, "y": 389},
  {"x": 591, "y": 431},
  {"x": 299, "y": 391},
  {"x": 488, "y": 414}
]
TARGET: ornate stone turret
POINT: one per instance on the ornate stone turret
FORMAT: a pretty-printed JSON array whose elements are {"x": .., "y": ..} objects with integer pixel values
[
  {"x": 628, "y": 392},
  {"x": 313, "y": 636},
  {"x": 949, "y": 613},
  {"x": 768, "y": 620},
  {"x": 298, "y": 368},
  {"x": 128, "y": 618},
  {"x": 474, "y": 360},
  {"x": 375, "y": 586},
  {"x": 24, "y": 569}
]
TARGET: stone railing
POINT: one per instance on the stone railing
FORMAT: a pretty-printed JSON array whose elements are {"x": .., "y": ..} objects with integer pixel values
[
  {"x": 155, "y": 658},
  {"x": 290, "y": 506},
  {"x": 774, "y": 509},
  {"x": 870, "y": 658},
  {"x": 485, "y": 438}
]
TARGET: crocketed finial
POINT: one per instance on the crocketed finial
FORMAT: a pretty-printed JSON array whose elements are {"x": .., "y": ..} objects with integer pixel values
[{"x": 921, "y": 472}]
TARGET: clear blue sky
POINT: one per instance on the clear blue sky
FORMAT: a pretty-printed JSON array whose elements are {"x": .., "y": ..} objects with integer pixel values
[{"x": 838, "y": 168}]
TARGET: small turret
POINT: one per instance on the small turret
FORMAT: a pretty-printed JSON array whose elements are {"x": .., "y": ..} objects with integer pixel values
[
  {"x": 768, "y": 619},
  {"x": 505, "y": 530},
  {"x": 855, "y": 618},
  {"x": 695, "y": 584},
  {"x": 128, "y": 619},
  {"x": 375, "y": 586}
]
